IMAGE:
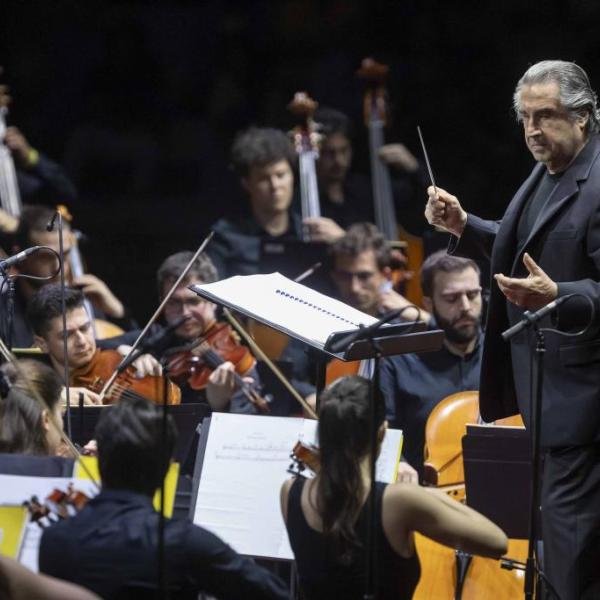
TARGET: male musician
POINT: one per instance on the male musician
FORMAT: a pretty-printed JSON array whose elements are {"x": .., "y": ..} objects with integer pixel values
[
  {"x": 33, "y": 231},
  {"x": 413, "y": 384},
  {"x": 221, "y": 393},
  {"x": 346, "y": 196},
  {"x": 545, "y": 248},
  {"x": 111, "y": 546},
  {"x": 39, "y": 179},
  {"x": 263, "y": 158},
  {"x": 45, "y": 316}
]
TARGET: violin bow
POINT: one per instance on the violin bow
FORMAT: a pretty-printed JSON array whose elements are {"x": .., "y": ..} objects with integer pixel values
[
  {"x": 11, "y": 358},
  {"x": 156, "y": 314},
  {"x": 256, "y": 349}
]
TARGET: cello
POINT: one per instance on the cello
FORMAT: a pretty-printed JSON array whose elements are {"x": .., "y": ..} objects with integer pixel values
[
  {"x": 446, "y": 574},
  {"x": 376, "y": 116}
]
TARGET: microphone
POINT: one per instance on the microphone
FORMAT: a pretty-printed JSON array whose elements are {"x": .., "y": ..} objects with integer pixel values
[
  {"x": 17, "y": 258},
  {"x": 50, "y": 225},
  {"x": 530, "y": 318},
  {"x": 364, "y": 332}
]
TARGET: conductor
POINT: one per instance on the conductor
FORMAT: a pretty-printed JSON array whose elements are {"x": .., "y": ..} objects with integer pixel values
[{"x": 546, "y": 246}]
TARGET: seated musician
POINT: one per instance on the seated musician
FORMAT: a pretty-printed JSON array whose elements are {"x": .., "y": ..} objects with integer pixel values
[
  {"x": 26, "y": 426},
  {"x": 346, "y": 196},
  {"x": 32, "y": 231},
  {"x": 264, "y": 159},
  {"x": 360, "y": 269},
  {"x": 326, "y": 517},
  {"x": 413, "y": 384},
  {"x": 45, "y": 315},
  {"x": 220, "y": 391},
  {"x": 111, "y": 545}
]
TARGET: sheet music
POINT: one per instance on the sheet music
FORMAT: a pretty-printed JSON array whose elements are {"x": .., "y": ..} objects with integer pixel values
[
  {"x": 293, "y": 307},
  {"x": 245, "y": 464}
]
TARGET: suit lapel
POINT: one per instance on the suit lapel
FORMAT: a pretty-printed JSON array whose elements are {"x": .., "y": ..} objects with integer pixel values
[{"x": 564, "y": 192}]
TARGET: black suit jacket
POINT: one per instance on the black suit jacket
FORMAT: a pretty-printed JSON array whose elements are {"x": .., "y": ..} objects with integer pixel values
[{"x": 565, "y": 242}]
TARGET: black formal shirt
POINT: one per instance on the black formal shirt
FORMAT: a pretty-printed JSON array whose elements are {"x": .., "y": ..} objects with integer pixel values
[
  {"x": 236, "y": 246},
  {"x": 112, "y": 544},
  {"x": 413, "y": 384}
]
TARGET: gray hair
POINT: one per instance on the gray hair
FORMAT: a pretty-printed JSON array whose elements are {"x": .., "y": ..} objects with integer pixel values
[{"x": 576, "y": 93}]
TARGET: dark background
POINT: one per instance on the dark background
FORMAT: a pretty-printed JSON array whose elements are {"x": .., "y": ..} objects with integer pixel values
[{"x": 140, "y": 101}]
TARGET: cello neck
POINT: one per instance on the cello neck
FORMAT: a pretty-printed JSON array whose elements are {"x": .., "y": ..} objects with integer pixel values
[
  {"x": 10, "y": 198},
  {"x": 375, "y": 114},
  {"x": 306, "y": 142}
]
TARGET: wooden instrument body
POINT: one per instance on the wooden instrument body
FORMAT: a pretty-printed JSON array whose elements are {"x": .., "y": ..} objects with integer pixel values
[
  {"x": 96, "y": 373},
  {"x": 444, "y": 468}
]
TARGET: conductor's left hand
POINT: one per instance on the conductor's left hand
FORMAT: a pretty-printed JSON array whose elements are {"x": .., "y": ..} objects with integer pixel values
[{"x": 532, "y": 292}]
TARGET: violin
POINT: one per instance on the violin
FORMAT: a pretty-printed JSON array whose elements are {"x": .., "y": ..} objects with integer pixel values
[
  {"x": 193, "y": 365},
  {"x": 58, "y": 505},
  {"x": 98, "y": 371},
  {"x": 304, "y": 456}
]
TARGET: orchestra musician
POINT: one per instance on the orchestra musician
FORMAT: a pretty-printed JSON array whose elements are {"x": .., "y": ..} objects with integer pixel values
[
  {"x": 221, "y": 391},
  {"x": 133, "y": 461},
  {"x": 326, "y": 517},
  {"x": 45, "y": 315},
  {"x": 25, "y": 425},
  {"x": 345, "y": 195},
  {"x": 39, "y": 179},
  {"x": 359, "y": 264},
  {"x": 33, "y": 231},
  {"x": 546, "y": 247},
  {"x": 264, "y": 160},
  {"x": 413, "y": 384}
]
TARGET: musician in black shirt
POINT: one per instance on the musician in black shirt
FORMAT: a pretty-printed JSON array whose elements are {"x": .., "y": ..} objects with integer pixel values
[{"x": 110, "y": 547}]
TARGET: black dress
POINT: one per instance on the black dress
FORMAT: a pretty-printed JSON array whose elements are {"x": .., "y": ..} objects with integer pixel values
[{"x": 323, "y": 577}]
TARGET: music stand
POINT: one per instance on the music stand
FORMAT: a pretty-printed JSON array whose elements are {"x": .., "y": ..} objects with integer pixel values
[
  {"x": 186, "y": 417},
  {"x": 497, "y": 462}
]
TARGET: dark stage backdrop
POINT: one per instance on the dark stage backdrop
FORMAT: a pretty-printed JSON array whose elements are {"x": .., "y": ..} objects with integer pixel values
[{"x": 140, "y": 100}]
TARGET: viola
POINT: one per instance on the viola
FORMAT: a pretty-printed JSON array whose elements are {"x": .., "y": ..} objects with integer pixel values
[
  {"x": 193, "y": 365},
  {"x": 98, "y": 371}
]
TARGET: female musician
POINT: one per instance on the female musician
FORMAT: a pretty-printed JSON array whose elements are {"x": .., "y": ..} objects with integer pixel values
[
  {"x": 326, "y": 517},
  {"x": 25, "y": 426}
]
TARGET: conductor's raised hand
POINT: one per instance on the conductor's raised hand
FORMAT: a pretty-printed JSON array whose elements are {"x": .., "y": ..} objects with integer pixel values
[
  {"x": 531, "y": 292},
  {"x": 444, "y": 211}
]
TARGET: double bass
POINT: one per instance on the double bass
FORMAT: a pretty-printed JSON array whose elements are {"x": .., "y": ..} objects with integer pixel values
[{"x": 376, "y": 117}]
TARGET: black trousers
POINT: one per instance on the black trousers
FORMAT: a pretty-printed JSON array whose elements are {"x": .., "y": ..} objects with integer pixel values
[{"x": 570, "y": 501}]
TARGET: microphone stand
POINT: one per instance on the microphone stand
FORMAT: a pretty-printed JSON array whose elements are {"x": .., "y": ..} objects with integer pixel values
[
  {"x": 530, "y": 320},
  {"x": 10, "y": 307},
  {"x": 368, "y": 333},
  {"x": 61, "y": 260}
]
